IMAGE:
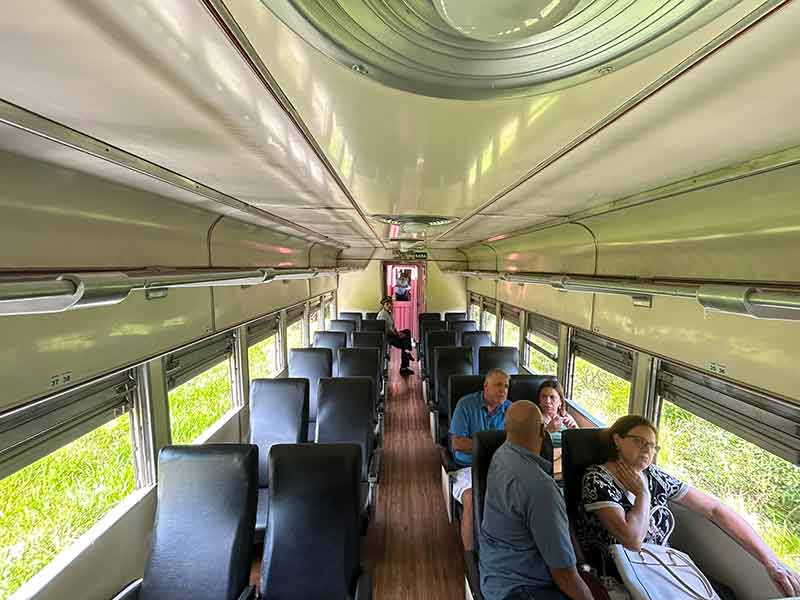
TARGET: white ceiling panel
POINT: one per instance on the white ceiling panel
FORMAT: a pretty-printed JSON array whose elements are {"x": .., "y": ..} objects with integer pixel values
[
  {"x": 403, "y": 153},
  {"x": 160, "y": 80},
  {"x": 482, "y": 227}
]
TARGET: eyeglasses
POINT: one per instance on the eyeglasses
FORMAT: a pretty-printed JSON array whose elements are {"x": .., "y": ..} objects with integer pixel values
[{"x": 643, "y": 443}]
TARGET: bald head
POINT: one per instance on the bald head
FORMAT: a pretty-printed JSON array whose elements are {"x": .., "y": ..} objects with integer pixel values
[{"x": 523, "y": 424}]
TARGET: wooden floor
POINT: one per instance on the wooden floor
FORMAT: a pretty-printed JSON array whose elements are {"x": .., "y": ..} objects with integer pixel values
[{"x": 414, "y": 553}]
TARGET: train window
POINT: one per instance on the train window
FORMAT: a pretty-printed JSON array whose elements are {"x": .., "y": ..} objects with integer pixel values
[
  {"x": 328, "y": 313},
  {"x": 541, "y": 345},
  {"x": 760, "y": 486},
  {"x": 294, "y": 335},
  {"x": 510, "y": 325},
  {"x": 48, "y": 504},
  {"x": 475, "y": 308},
  {"x": 196, "y": 405},
  {"x": 263, "y": 358},
  {"x": 313, "y": 323},
  {"x": 601, "y": 376},
  {"x": 489, "y": 319}
]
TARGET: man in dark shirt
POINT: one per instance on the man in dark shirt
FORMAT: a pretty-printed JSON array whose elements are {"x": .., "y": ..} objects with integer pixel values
[
  {"x": 526, "y": 550},
  {"x": 398, "y": 339}
]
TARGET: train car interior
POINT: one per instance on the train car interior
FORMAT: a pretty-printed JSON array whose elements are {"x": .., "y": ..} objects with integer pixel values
[{"x": 255, "y": 253}]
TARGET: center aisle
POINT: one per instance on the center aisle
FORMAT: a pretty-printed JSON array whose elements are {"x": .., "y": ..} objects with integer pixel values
[{"x": 413, "y": 551}]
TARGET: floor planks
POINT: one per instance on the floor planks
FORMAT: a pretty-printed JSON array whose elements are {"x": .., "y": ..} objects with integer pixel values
[{"x": 412, "y": 549}]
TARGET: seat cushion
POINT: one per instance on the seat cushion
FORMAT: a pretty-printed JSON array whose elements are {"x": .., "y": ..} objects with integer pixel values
[{"x": 262, "y": 514}]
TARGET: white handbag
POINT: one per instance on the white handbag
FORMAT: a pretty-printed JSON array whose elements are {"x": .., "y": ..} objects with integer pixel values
[{"x": 661, "y": 573}]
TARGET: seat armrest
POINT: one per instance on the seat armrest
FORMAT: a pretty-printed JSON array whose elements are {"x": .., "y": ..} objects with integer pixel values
[
  {"x": 448, "y": 461},
  {"x": 364, "y": 586},
  {"x": 131, "y": 592},
  {"x": 249, "y": 593},
  {"x": 375, "y": 467}
]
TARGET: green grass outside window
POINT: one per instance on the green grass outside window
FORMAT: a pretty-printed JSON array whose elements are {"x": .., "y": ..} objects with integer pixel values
[{"x": 199, "y": 403}]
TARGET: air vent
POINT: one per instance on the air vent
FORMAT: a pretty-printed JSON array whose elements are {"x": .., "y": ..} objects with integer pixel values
[
  {"x": 414, "y": 223},
  {"x": 488, "y": 49}
]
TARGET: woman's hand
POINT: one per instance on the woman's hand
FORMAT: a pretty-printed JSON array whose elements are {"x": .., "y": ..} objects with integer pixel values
[
  {"x": 787, "y": 580},
  {"x": 630, "y": 479},
  {"x": 554, "y": 424}
]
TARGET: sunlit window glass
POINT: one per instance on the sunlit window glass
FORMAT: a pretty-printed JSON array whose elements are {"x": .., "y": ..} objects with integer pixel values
[
  {"x": 510, "y": 334},
  {"x": 602, "y": 394},
  {"x": 490, "y": 324},
  {"x": 263, "y": 358},
  {"x": 49, "y": 504},
  {"x": 538, "y": 361},
  {"x": 294, "y": 335},
  {"x": 199, "y": 403},
  {"x": 762, "y": 487}
]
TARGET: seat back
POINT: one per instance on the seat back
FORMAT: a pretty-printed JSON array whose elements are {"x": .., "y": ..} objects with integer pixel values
[
  {"x": 460, "y": 327},
  {"x": 498, "y": 357},
  {"x": 434, "y": 339},
  {"x": 352, "y": 316},
  {"x": 526, "y": 387},
  {"x": 371, "y": 316},
  {"x": 580, "y": 448},
  {"x": 333, "y": 340},
  {"x": 362, "y": 362},
  {"x": 455, "y": 316},
  {"x": 208, "y": 479},
  {"x": 484, "y": 445},
  {"x": 427, "y": 326},
  {"x": 478, "y": 340},
  {"x": 373, "y": 325},
  {"x": 311, "y": 363},
  {"x": 345, "y": 415},
  {"x": 312, "y": 544},
  {"x": 343, "y": 325},
  {"x": 448, "y": 361},
  {"x": 368, "y": 339},
  {"x": 278, "y": 415},
  {"x": 428, "y": 316},
  {"x": 458, "y": 387}
]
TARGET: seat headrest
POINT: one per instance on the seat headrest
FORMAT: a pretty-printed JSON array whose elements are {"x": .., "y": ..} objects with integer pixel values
[
  {"x": 354, "y": 362},
  {"x": 459, "y": 386},
  {"x": 206, "y": 506},
  {"x": 441, "y": 338},
  {"x": 312, "y": 542},
  {"x": 498, "y": 357},
  {"x": 311, "y": 363},
  {"x": 526, "y": 387},
  {"x": 345, "y": 414},
  {"x": 278, "y": 415},
  {"x": 455, "y": 316},
  {"x": 484, "y": 445},
  {"x": 373, "y": 325},
  {"x": 447, "y": 361},
  {"x": 344, "y": 325},
  {"x": 462, "y": 325},
  {"x": 580, "y": 448},
  {"x": 368, "y": 339},
  {"x": 330, "y": 339},
  {"x": 351, "y": 316},
  {"x": 430, "y": 316}
]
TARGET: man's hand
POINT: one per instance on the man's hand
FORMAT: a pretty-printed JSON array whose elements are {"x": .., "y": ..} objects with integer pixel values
[{"x": 787, "y": 580}]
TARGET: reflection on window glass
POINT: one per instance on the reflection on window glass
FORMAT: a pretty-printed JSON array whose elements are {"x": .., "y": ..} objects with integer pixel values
[
  {"x": 510, "y": 334},
  {"x": 47, "y": 505},
  {"x": 328, "y": 313},
  {"x": 199, "y": 403},
  {"x": 760, "y": 486},
  {"x": 475, "y": 312},
  {"x": 538, "y": 362},
  {"x": 294, "y": 335},
  {"x": 490, "y": 324},
  {"x": 313, "y": 325},
  {"x": 263, "y": 358},
  {"x": 602, "y": 394}
]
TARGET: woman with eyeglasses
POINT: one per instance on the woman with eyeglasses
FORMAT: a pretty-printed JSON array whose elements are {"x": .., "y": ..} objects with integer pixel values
[
  {"x": 555, "y": 417},
  {"x": 624, "y": 501}
]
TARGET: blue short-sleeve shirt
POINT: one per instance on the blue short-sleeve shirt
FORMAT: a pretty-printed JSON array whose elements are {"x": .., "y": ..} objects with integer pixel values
[
  {"x": 524, "y": 532},
  {"x": 472, "y": 416}
]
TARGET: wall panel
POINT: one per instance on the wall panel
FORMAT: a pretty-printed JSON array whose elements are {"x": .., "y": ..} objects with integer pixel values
[
  {"x": 484, "y": 287},
  {"x": 361, "y": 290},
  {"x": 565, "y": 249},
  {"x": 81, "y": 344},
  {"x": 759, "y": 353},
  {"x": 444, "y": 291},
  {"x": 238, "y": 244},
  {"x": 573, "y": 309},
  {"x": 234, "y": 304}
]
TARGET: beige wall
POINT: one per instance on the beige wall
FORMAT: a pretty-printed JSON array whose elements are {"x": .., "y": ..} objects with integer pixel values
[
  {"x": 361, "y": 290},
  {"x": 444, "y": 292}
]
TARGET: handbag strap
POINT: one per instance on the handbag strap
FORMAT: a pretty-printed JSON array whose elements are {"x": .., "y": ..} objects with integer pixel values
[
  {"x": 677, "y": 578},
  {"x": 670, "y": 520}
]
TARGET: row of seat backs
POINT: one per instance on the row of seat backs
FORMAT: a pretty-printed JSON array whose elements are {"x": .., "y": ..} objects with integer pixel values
[
  {"x": 459, "y": 360},
  {"x": 350, "y": 324},
  {"x": 314, "y": 363},
  {"x": 474, "y": 339},
  {"x": 334, "y": 340},
  {"x": 279, "y": 413},
  {"x": 220, "y": 481}
]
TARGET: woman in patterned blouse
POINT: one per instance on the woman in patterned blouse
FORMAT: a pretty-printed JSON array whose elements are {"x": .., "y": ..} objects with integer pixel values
[{"x": 625, "y": 501}]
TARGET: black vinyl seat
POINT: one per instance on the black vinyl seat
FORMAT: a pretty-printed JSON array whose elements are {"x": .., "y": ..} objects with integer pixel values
[
  {"x": 426, "y": 327},
  {"x": 345, "y": 416},
  {"x": 426, "y": 316},
  {"x": 332, "y": 340},
  {"x": 371, "y": 316},
  {"x": 312, "y": 364},
  {"x": 373, "y": 325},
  {"x": 458, "y": 386},
  {"x": 460, "y": 327},
  {"x": 434, "y": 339},
  {"x": 209, "y": 479},
  {"x": 363, "y": 362},
  {"x": 448, "y": 361},
  {"x": 343, "y": 325},
  {"x": 455, "y": 316},
  {"x": 278, "y": 415},
  {"x": 477, "y": 340},
  {"x": 526, "y": 387},
  {"x": 498, "y": 357},
  {"x": 313, "y": 548},
  {"x": 352, "y": 316}
]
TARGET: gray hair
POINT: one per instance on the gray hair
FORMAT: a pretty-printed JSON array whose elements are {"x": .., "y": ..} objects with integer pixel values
[{"x": 495, "y": 371}]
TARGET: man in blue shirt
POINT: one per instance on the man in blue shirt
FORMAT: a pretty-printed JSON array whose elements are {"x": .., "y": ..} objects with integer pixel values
[
  {"x": 526, "y": 550},
  {"x": 479, "y": 411}
]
